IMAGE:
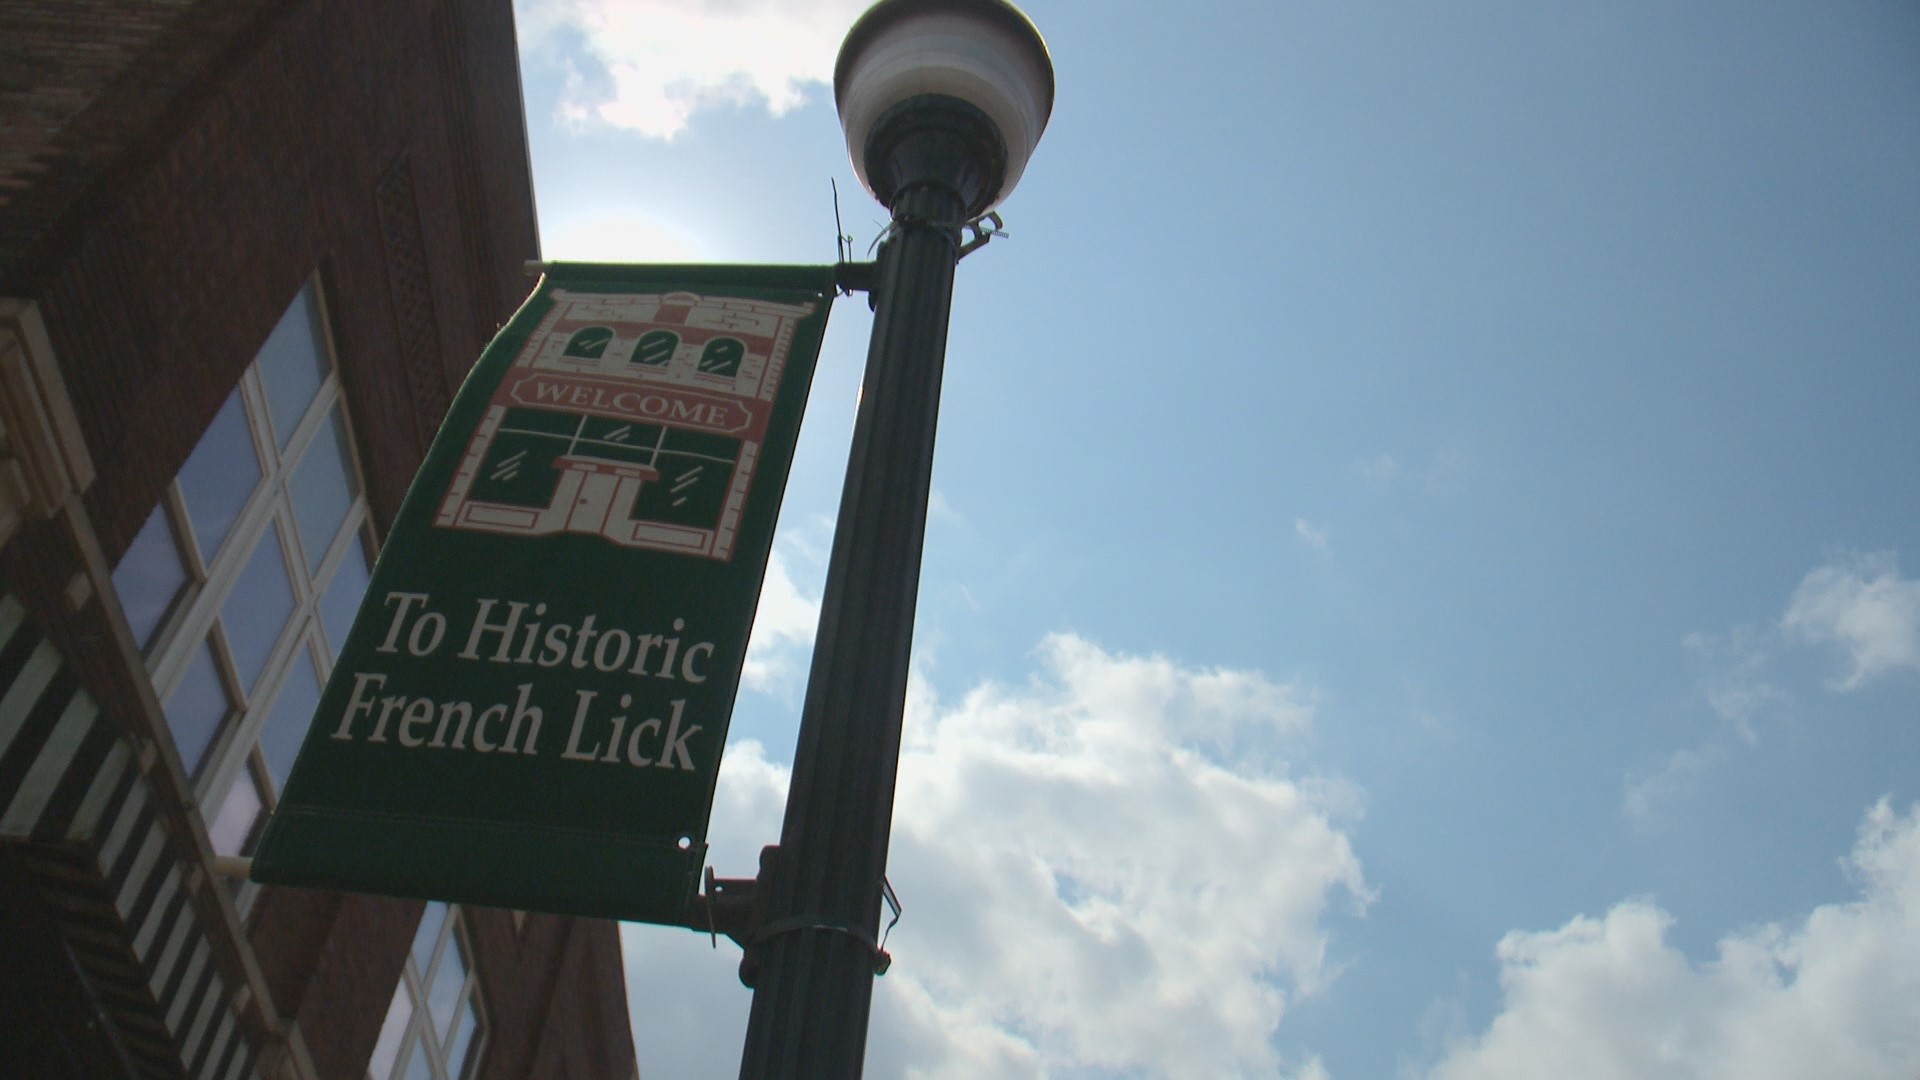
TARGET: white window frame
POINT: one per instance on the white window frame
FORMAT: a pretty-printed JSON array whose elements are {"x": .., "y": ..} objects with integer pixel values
[
  {"x": 416, "y": 1035},
  {"x": 211, "y": 577}
]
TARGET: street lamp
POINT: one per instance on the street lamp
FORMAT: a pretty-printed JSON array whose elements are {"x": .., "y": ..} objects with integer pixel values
[
  {"x": 943, "y": 102},
  {"x": 977, "y": 70}
]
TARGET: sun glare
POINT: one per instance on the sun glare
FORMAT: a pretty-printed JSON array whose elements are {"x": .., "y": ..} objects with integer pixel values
[{"x": 620, "y": 236}]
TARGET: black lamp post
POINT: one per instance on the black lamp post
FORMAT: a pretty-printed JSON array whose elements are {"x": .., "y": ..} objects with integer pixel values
[{"x": 943, "y": 102}]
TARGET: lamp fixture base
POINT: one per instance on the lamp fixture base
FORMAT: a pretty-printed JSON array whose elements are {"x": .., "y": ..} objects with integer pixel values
[{"x": 933, "y": 140}]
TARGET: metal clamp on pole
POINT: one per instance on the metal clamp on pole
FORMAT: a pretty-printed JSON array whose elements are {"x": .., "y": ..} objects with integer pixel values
[
  {"x": 984, "y": 228},
  {"x": 736, "y": 907},
  {"x": 881, "y": 960},
  {"x": 853, "y": 277}
]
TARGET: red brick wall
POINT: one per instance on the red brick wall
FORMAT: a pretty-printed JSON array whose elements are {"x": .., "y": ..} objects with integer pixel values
[
  {"x": 157, "y": 306},
  {"x": 577, "y": 1026},
  {"x": 85, "y": 90},
  {"x": 553, "y": 989},
  {"x": 195, "y": 164}
]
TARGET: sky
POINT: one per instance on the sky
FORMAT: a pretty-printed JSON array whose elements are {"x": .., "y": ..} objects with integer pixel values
[{"x": 1423, "y": 578}]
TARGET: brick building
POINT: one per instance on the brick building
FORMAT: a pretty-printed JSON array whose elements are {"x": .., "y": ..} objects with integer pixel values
[{"x": 247, "y": 250}]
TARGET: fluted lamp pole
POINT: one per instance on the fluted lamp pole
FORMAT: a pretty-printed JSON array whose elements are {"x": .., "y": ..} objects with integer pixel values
[{"x": 943, "y": 102}]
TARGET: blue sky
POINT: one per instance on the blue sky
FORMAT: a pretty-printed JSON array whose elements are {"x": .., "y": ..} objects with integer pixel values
[{"x": 1425, "y": 571}]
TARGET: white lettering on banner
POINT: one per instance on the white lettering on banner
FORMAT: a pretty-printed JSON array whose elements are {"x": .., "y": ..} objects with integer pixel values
[
  {"x": 502, "y": 634},
  {"x": 519, "y": 633},
  {"x": 591, "y": 738},
  {"x": 700, "y": 412},
  {"x": 673, "y": 752}
]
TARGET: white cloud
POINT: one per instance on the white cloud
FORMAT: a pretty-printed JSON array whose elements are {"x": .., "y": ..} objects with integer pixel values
[
  {"x": 783, "y": 628},
  {"x": 1311, "y": 536},
  {"x": 1833, "y": 996},
  {"x": 1442, "y": 473},
  {"x": 939, "y": 507},
  {"x": 1734, "y": 678},
  {"x": 1734, "y": 681},
  {"x": 1102, "y": 868},
  {"x": 688, "y": 1007},
  {"x": 1121, "y": 847},
  {"x": 1379, "y": 468},
  {"x": 1649, "y": 795},
  {"x": 1857, "y": 602},
  {"x": 650, "y": 65},
  {"x": 1862, "y": 604},
  {"x": 1312, "y": 1070}
]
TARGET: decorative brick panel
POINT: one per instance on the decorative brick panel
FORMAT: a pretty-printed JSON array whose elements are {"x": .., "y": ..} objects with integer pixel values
[{"x": 407, "y": 277}]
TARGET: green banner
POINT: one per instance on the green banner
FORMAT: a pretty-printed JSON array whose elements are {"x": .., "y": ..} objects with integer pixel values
[{"x": 530, "y": 708}]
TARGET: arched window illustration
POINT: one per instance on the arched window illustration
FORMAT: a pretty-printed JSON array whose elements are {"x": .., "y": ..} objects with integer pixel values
[
  {"x": 722, "y": 356},
  {"x": 655, "y": 348},
  {"x": 588, "y": 343}
]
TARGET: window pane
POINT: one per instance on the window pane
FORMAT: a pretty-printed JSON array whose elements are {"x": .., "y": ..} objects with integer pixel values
[
  {"x": 196, "y": 708},
  {"x": 387, "y": 1050},
  {"x": 722, "y": 356},
  {"x": 234, "y": 825},
  {"x": 444, "y": 995},
  {"x": 655, "y": 348},
  {"x": 257, "y": 608},
  {"x": 323, "y": 490},
  {"x": 419, "y": 1066},
  {"x": 589, "y": 343},
  {"x": 149, "y": 576},
  {"x": 292, "y": 364},
  {"x": 462, "y": 1039},
  {"x": 292, "y": 714},
  {"x": 342, "y": 599},
  {"x": 219, "y": 475},
  {"x": 427, "y": 935}
]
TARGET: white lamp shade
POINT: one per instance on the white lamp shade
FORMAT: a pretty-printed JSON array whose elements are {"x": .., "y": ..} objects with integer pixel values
[{"x": 983, "y": 52}]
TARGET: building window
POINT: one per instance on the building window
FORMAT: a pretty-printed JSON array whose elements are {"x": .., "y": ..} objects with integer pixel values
[
  {"x": 589, "y": 343},
  {"x": 722, "y": 357},
  {"x": 656, "y": 348},
  {"x": 242, "y": 583},
  {"x": 43, "y": 457},
  {"x": 435, "y": 1026}
]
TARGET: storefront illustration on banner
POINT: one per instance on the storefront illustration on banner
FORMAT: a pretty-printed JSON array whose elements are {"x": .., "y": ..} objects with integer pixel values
[{"x": 636, "y": 417}]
